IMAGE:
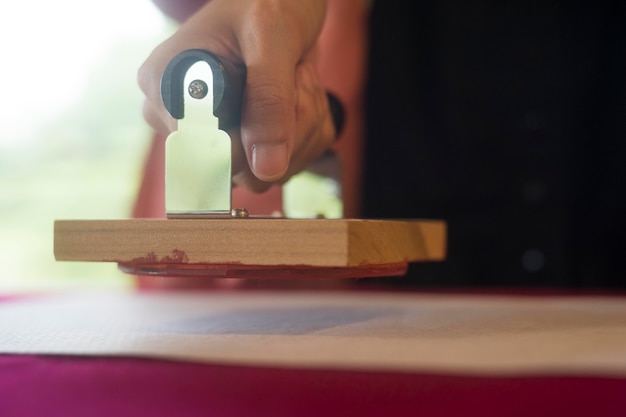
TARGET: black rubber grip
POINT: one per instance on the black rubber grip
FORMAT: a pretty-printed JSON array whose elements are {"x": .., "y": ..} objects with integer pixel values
[
  {"x": 228, "y": 84},
  {"x": 229, "y": 81}
]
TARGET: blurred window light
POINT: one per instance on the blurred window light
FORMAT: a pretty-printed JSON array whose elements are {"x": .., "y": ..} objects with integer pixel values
[{"x": 72, "y": 138}]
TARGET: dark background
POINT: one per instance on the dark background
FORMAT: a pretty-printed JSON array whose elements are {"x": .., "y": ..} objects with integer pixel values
[{"x": 508, "y": 120}]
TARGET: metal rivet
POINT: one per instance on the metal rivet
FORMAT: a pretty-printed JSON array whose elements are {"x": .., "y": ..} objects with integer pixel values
[
  {"x": 198, "y": 89},
  {"x": 239, "y": 212}
]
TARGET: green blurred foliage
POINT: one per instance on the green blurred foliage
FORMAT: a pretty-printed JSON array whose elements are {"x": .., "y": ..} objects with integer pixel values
[{"x": 86, "y": 164}]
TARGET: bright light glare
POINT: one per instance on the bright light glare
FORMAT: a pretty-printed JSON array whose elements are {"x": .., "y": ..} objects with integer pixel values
[
  {"x": 68, "y": 149},
  {"x": 48, "y": 48}
]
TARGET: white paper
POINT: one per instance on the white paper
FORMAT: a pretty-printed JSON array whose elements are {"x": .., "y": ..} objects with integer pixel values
[{"x": 373, "y": 331}]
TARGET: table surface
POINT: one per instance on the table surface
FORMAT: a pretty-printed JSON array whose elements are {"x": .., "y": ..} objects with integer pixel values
[{"x": 120, "y": 385}]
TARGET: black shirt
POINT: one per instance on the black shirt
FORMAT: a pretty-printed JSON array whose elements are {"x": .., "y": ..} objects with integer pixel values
[{"x": 508, "y": 120}]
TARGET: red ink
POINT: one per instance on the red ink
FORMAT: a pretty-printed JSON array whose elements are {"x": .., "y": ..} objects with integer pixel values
[
  {"x": 186, "y": 270},
  {"x": 178, "y": 257}
]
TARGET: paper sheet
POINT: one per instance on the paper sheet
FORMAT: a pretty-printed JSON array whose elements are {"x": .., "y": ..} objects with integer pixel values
[{"x": 369, "y": 331}]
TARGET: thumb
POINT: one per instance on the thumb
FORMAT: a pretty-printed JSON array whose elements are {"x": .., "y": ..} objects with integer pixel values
[
  {"x": 272, "y": 39},
  {"x": 268, "y": 117}
]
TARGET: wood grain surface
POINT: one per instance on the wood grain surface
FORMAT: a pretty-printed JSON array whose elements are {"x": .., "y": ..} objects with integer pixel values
[{"x": 252, "y": 241}]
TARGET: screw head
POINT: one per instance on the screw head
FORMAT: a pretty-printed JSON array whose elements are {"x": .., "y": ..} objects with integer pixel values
[
  {"x": 198, "y": 89},
  {"x": 239, "y": 212}
]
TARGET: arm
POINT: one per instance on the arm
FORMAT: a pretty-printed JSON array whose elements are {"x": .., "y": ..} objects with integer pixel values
[{"x": 342, "y": 65}]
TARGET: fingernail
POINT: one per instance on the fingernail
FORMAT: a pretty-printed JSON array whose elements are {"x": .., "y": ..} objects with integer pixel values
[{"x": 269, "y": 162}]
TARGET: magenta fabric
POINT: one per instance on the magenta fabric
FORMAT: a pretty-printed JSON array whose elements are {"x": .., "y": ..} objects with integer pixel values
[{"x": 98, "y": 386}]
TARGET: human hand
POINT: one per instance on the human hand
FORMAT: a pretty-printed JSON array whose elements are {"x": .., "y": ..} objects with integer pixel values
[{"x": 285, "y": 122}]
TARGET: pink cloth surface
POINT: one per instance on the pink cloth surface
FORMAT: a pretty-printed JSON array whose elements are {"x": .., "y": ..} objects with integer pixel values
[
  {"x": 54, "y": 385},
  {"x": 104, "y": 386}
]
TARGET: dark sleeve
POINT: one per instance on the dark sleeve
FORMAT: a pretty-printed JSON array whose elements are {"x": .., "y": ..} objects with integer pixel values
[{"x": 179, "y": 10}]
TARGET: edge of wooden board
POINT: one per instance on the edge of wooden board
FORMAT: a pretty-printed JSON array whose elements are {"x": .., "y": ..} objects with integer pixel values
[{"x": 253, "y": 241}]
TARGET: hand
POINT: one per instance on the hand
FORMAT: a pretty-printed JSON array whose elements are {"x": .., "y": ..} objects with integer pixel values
[{"x": 285, "y": 120}]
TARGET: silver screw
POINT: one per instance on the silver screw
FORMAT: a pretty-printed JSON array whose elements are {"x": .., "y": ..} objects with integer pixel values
[
  {"x": 198, "y": 89},
  {"x": 239, "y": 212}
]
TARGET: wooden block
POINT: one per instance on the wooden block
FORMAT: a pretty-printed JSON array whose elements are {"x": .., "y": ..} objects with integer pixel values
[{"x": 252, "y": 241}]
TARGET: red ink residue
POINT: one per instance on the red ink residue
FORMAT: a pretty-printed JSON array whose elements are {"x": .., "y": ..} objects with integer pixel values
[
  {"x": 178, "y": 257},
  {"x": 186, "y": 270}
]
